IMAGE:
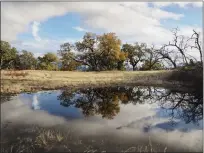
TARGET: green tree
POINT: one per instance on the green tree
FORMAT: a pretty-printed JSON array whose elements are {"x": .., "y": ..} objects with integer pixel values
[
  {"x": 152, "y": 60},
  {"x": 89, "y": 52},
  {"x": 156, "y": 66},
  {"x": 8, "y": 55},
  {"x": 48, "y": 62},
  {"x": 26, "y": 61},
  {"x": 50, "y": 57},
  {"x": 98, "y": 52},
  {"x": 42, "y": 66},
  {"x": 68, "y": 58},
  {"x": 135, "y": 53},
  {"x": 111, "y": 56}
]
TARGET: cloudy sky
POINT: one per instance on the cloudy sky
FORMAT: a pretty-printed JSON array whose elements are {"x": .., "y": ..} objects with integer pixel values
[{"x": 41, "y": 27}]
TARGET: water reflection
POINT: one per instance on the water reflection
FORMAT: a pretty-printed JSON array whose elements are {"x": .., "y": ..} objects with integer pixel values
[
  {"x": 125, "y": 113},
  {"x": 6, "y": 97},
  {"x": 35, "y": 103},
  {"x": 92, "y": 101},
  {"x": 187, "y": 106}
]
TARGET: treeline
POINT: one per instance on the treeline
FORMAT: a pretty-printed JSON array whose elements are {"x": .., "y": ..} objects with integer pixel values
[
  {"x": 106, "y": 52},
  {"x": 25, "y": 60}
]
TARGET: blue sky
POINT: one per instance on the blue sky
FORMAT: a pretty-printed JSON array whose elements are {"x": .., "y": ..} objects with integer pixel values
[
  {"x": 52, "y": 24},
  {"x": 56, "y": 28},
  {"x": 192, "y": 16},
  {"x": 61, "y": 27}
]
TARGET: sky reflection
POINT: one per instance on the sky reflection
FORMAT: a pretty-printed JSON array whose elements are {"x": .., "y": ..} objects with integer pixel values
[{"x": 146, "y": 116}]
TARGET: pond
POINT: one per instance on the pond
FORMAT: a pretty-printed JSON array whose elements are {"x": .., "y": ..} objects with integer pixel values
[{"x": 124, "y": 116}]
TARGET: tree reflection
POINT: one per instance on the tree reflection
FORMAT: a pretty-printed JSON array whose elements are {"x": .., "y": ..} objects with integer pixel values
[
  {"x": 187, "y": 106},
  {"x": 106, "y": 101},
  {"x": 92, "y": 101}
]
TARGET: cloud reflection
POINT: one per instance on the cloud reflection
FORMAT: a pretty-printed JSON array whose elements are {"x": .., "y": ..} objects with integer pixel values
[{"x": 140, "y": 115}]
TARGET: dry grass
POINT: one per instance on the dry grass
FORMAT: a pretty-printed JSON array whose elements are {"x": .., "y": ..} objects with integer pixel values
[
  {"x": 144, "y": 149},
  {"x": 14, "y": 73},
  {"x": 47, "y": 137},
  {"x": 34, "y": 80},
  {"x": 33, "y": 139},
  {"x": 72, "y": 75},
  {"x": 52, "y": 140}
]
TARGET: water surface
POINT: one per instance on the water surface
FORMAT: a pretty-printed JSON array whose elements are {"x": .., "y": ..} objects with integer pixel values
[{"x": 134, "y": 113}]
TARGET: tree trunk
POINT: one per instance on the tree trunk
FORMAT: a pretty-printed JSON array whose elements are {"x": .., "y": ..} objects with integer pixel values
[
  {"x": 133, "y": 67},
  {"x": 174, "y": 64}
]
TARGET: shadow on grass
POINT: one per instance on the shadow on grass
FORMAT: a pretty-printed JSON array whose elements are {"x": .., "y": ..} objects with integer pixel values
[{"x": 191, "y": 77}]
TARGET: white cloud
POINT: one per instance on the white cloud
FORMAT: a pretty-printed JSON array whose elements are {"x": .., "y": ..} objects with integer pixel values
[
  {"x": 16, "y": 16},
  {"x": 180, "y": 4},
  {"x": 41, "y": 47},
  {"x": 155, "y": 13},
  {"x": 79, "y": 29},
  {"x": 35, "y": 29},
  {"x": 38, "y": 54},
  {"x": 131, "y": 21},
  {"x": 112, "y": 16}
]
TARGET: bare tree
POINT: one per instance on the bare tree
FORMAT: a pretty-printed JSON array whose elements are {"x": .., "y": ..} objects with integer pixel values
[
  {"x": 179, "y": 43},
  {"x": 169, "y": 55},
  {"x": 182, "y": 44},
  {"x": 197, "y": 43}
]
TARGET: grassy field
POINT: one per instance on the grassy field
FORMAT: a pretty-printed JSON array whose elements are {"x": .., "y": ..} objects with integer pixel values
[{"x": 34, "y": 80}]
